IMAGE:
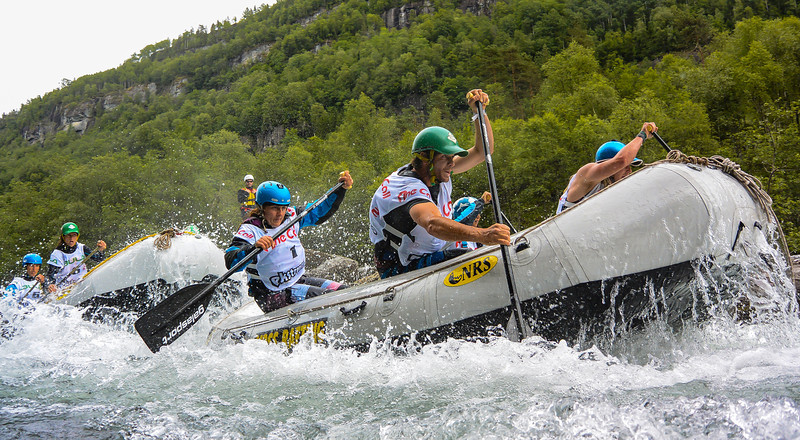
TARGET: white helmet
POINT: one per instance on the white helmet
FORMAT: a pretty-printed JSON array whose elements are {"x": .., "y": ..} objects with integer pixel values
[{"x": 248, "y": 177}]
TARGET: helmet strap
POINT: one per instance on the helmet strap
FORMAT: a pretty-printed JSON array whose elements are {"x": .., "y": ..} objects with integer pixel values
[{"x": 429, "y": 159}]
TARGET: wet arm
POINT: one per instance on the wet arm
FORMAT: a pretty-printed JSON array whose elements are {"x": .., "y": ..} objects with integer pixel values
[
  {"x": 427, "y": 216},
  {"x": 238, "y": 249},
  {"x": 325, "y": 210}
]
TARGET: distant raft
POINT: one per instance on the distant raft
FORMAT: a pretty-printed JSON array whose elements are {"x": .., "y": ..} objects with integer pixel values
[
  {"x": 672, "y": 242},
  {"x": 144, "y": 272}
]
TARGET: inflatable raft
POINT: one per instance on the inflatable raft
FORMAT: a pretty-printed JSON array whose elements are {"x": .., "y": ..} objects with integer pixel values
[
  {"x": 645, "y": 248},
  {"x": 144, "y": 272}
]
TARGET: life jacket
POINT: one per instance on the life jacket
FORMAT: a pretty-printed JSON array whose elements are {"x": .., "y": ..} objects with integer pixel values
[
  {"x": 281, "y": 266},
  {"x": 66, "y": 261},
  {"x": 250, "y": 203},
  {"x": 393, "y": 225},
  {"x": 24, "y": 289}
]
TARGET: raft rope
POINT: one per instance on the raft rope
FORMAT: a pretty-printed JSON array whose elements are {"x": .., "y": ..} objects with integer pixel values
[{"x": 164, "y": 239}]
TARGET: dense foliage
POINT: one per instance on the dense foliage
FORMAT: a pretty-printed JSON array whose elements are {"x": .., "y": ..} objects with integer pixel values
[{"x": 335, "y": 89}]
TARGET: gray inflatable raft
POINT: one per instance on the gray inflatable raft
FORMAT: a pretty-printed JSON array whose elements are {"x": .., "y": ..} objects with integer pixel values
[{"x": 639, "y": 250}]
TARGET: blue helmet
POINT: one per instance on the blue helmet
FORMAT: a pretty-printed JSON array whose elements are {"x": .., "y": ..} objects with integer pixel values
[
  {"x": 273, "y": 193},
  {"x": 610, "y": 149},
  {"x": 467, "y": 209},
  {"x": 32, "y": 259}
]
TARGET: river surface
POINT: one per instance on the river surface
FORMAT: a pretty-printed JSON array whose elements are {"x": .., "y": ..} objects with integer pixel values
[{"x": 64, "y": 377}]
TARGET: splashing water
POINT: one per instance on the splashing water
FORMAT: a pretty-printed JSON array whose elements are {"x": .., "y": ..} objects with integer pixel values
[{"x": 64, "y": 377}]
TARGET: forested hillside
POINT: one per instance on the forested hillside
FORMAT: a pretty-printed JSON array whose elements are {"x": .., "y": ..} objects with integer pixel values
[{"x": 301, "y": 90}]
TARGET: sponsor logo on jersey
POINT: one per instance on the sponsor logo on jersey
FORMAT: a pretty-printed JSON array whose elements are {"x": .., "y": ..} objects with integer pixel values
[
  {"x": 244, "y": 234},
  {"x": 403, "y": 195},
  {"x": 447, "y": 209},
  {"x": 470, "y": 271},
  {"x": 384, "y": 189},
  {"x": 284, "y": 277}
]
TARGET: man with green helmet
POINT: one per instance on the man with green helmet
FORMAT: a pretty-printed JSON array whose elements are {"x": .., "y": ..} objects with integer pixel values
[
  {"x": 411, "y": 212},
  {"x": 612, "y": 163},
  {"x": 66, "y": 263}
]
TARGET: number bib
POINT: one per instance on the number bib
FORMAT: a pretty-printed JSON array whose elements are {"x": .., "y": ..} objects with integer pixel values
[{"x": 280, "y": 267}]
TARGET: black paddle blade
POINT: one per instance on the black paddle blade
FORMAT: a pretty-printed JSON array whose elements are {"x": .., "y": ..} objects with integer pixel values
[{"x": 157, "y": 329}]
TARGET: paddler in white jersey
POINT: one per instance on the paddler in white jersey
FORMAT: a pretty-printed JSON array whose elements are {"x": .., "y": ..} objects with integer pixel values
[
  {"x": 410, "y": 215},
  {"x": 27, "y": 289},
  {"x": 276, "y": 277},
  {"x": 69, "y": 255},
  {"x": 612, "y": 163}
]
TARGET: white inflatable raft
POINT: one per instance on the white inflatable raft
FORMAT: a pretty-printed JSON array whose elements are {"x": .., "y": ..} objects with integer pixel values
[
  {"x": 642, "y": 249},
  {"x": 144, "y": 272}
]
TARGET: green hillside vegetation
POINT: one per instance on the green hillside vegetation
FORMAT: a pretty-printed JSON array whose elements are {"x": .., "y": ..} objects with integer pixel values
[{"x": 334, "y": 89}]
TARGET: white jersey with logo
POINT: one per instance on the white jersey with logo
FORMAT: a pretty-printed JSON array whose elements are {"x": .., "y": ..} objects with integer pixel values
[
  {"x": 67, "y": 262},
  {"x": 19, "y": 287},
  {"x": 409, "y": 239},
  {"x": 281, "y": 266}
]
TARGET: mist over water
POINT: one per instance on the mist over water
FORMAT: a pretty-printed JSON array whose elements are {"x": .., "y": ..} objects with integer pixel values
[{"x": 64, "y": 377}]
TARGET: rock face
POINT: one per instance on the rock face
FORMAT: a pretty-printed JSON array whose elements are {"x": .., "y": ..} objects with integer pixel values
[
  {"x": 253, "y": 54},
  {"x": 399, "y": 18},
  {"x": 477, "y": 7},
  {"x": 334, "y": 267},
  {"x": 796, "y": 271},
  {"x": 80, "y": 117}
]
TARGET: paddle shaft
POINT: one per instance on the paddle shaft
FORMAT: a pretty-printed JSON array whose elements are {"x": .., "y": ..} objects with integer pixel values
[
  {"x": 77, "y": 266},
  {"x": 247, "y": 258},
  {"x": 661, "y": 141},
  {"x": 28, "y": 292},
  {"x": 512, "y": 288},
  {"x": 508, "y": 222}
]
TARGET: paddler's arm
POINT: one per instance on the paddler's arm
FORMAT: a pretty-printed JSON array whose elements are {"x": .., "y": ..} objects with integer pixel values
[
  {"x": 427, "y": 216},
  {"x": 326, "y": 209},
  {"x": 589, "y": 175},
  {"x": 236, "y": 251},
  {"x": 476, "y": 155},
  {"x": 100, "y": 254},
  {"x": 242, "y": 196},
  {"x": 239, "y": 248},
  {"x": 50, "y": 279}
]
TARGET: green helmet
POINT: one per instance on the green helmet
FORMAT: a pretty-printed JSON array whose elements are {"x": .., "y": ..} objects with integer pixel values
[
  {"x": 69, "y": 227},
  {"x": 439, "y": 140}
]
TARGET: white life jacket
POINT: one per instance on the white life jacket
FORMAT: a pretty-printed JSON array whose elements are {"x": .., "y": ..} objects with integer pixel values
[
  {"x": 67, "y": 262},
  {"x": 281, "y": 266},
  {"x": 19, "y": 287},
  {"x": 409, "y": 239}
]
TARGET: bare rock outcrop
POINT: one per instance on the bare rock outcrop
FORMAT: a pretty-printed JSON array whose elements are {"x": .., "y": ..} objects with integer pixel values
[
  {"x": 400, "y": 17},
  {"x": 334, "y": 267}
]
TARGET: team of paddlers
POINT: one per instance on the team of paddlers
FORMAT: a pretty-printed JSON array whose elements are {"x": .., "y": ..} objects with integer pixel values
[{"x": 413, "y": 221}]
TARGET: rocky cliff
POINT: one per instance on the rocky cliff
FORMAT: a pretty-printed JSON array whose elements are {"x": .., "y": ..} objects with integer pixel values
[{"x": 81, "y": 117}]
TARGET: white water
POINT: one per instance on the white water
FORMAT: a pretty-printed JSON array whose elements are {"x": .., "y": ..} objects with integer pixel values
[{"x": 63, "y": 377}]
